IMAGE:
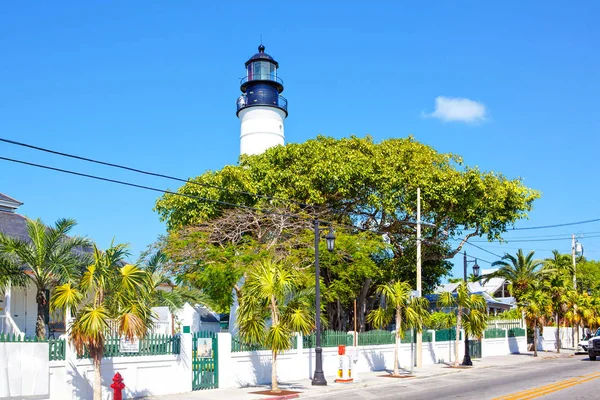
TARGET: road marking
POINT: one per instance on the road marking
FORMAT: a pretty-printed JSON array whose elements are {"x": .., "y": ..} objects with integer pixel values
[{"x": 551, "y": 388}]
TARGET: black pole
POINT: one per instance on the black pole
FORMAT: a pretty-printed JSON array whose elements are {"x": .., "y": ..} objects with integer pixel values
[
  {"x": 467, "y": 358},
  {"x": 319, "y": 377}
]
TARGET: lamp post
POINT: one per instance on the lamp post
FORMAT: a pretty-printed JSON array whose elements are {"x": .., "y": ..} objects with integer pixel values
[
  {"x": 467, "y": 358},
  {"x": 319, "y": 377}
]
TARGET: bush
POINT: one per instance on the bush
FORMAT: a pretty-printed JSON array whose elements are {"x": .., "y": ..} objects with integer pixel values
[{"x": 441, "y": 320}]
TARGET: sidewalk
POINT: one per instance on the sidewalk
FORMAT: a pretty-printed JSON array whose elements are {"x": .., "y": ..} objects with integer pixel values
[{"x": 364, "y": 380}]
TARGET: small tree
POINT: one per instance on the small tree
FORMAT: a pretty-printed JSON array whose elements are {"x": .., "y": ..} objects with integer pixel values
[
  {"x": 465, "y": 304},
  {"x": 49, "y": 258},
  {"x": 274, "y": 304},
  {"x": 107, "y": 294},
  {"x": 399, "y": 304}
]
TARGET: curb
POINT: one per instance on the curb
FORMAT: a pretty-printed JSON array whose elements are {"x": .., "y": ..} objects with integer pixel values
[{"x": 287, "y": 396}]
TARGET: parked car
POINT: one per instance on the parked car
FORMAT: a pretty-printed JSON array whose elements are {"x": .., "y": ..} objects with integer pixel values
[{"x": 592, "y": 345}]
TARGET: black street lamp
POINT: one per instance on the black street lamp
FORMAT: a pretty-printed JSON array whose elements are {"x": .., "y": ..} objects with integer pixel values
[
  {"x": 319, "y": 377},
  {"x": 467, "y": 358}
]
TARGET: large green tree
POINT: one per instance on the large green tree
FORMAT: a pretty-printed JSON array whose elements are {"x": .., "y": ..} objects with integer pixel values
[
  {"x": 352, "y": 181},
  {"x": 48, "y": 258}
]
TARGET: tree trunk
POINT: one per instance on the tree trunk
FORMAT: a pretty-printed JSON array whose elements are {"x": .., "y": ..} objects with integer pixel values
[
  {"x": 557, "y": 333},
  {"x": 97, "y": 379},
  {"x": 362, "y": 303},
  {"x": 274, "y": 385},
  {"x": 457, "y": 340},
  {"x": 535, "y": 335},
  {"x": 398, "y": 322},
  {"x": 40, "y": 325}
]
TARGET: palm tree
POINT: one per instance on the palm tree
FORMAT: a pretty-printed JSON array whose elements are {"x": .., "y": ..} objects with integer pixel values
[
  {"x": 49, "y": 258},
  {"x": 272, "y": 293},
  {"x": 557, "y": 286},
  {"x": 465, "y": 303},
  {"x": 413, "y": 311},
  {"x": 537, "y": 305},
  {"x": 110, "y": 298},
  {"x": 521, "y": 271}
]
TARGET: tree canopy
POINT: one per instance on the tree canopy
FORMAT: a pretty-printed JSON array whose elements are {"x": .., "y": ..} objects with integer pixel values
[{"x": 352, "y": 182}]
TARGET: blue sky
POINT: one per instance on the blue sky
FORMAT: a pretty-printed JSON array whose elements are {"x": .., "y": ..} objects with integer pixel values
[{"x": 153, "y": 85}]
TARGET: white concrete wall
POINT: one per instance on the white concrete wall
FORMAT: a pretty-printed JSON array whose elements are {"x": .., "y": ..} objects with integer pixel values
[
  {"x": 547, "y": 340},
  {"x": 72, "y": 379},
  {"x": 24, "y": 370},
  {"x": 249, "y": 368}
]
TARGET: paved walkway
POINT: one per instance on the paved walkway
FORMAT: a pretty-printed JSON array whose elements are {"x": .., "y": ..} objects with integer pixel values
[{"x": 364, "y": 380}]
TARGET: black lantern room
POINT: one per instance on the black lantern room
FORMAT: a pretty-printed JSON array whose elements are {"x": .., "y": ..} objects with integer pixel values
[{"x": 261, "y": 86}]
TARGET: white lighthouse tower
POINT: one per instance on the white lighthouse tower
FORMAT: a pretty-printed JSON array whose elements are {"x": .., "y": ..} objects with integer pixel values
[{"x": 261, "y": 108}]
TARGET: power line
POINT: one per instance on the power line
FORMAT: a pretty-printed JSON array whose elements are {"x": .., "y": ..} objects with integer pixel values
[
  {"x": 159, "y": 175},
  {"x": 140, "y": 171},
  {"x": 536, "y": 240},
  {"x": 150, "y": 188},
  {"x": 100, "y": 178},
  {"x": 556, "y": 225},
  {"x": 580, "y": 234},
  {"x": 481, "y": 248}
]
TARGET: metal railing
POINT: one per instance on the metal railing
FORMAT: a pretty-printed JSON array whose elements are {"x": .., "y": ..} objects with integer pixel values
[
  {"x": 506, "y": 323},
  {"x": 262, "y": 100},
  {"x": 261, "y": 77},
  {"x": 151, "y": 345},
  {"x": 494, "y": 333},
  {"x": 8, "y": 325}
]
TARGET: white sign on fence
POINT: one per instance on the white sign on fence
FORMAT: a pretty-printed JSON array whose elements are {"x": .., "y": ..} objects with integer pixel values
[
  {"x": 129, "y": 346},
  {"x": 204, "y": 348}
]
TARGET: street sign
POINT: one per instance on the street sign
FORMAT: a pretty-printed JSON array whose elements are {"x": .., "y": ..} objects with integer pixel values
[
  {"x": 204, "y": 348},
  {"x": 129, "y": 346}
]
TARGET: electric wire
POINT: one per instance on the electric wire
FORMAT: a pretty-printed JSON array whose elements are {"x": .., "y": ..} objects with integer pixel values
[
  {"x": 481, "y": 248},
  {"x": 159, "y": 175},
  {"x": 155, "y": 174},
  {"x": 537, "y": 240}
]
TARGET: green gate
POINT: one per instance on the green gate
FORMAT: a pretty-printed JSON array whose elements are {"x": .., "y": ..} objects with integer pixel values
[
  {"x": 475, "y": 348},
  {"x": 205, "y": 364}
]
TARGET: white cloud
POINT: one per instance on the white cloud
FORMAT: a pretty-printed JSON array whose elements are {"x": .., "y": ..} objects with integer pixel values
[{"x": 457, "y": 109}]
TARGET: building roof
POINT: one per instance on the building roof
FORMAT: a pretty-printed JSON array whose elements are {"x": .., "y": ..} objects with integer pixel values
[
  {"x": 13, "y": 225},
  {"x": 261, "y": 55}
]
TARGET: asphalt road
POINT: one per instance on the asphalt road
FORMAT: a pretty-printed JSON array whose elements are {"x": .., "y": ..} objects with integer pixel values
[{"x": 552, "y": 379}]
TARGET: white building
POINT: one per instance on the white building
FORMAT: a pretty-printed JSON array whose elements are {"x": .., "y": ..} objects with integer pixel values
[{"x": 18, "y": 306}]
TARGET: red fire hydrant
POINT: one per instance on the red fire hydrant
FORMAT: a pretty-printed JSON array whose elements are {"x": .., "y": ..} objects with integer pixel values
[{"x": 118, "y": 386}]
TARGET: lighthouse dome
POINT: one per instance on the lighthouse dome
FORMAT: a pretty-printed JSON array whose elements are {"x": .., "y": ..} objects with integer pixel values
[{"x": 262, "y": 56}]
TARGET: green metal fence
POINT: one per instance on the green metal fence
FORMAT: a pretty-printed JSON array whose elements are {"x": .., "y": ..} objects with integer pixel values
[
  {"x": 514, "y": 332},
  {"x": 375, "y": 337},
  {"x": 205, "y": 360},
  {"x": 329, "y": 339},
  {"x": 56, "y": 347},
  {"x": 494, "y": 333},
  {"x": 443, "y": 335},
  {"x": 151, "y": 345},
  {"x": 237, "y": 345}
]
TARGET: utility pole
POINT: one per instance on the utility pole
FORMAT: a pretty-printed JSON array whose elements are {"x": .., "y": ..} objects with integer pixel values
[
  {"x": 573, "y": 257},
  {"x": 573, "y": 251},
  {"x": 419, "y": 284}
]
